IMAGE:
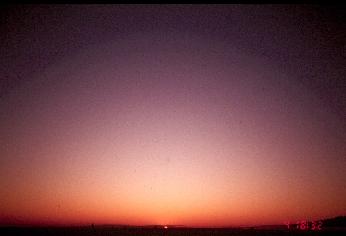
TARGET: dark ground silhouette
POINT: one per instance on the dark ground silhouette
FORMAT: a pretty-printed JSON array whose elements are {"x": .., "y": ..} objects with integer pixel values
[
  {"x": 147, "y": 231},
  {"x": 333, "y": 226}
]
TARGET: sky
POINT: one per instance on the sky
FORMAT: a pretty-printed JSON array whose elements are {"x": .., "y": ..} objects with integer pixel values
[{"x": 204, "y": 115}]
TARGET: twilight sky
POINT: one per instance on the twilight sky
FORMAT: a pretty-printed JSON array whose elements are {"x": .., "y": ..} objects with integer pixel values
[{"x": 189, "y": 115}]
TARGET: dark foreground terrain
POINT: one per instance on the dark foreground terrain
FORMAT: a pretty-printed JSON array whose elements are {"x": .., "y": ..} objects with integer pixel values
[{"x": 157, "y": 231}]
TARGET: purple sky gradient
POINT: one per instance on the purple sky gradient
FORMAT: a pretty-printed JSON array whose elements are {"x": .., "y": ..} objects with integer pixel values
[{"x": 193, "y": 115}]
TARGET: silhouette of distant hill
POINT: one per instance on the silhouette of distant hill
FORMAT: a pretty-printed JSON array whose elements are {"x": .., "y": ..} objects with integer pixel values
[
  {"x": 339, "y": 221},
  {"x": 336, "y": 223}
]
